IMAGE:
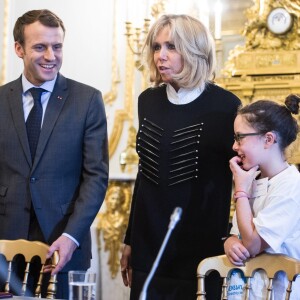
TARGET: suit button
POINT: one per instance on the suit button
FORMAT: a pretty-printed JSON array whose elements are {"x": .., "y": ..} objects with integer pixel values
[{"x": 33, "y": 179}]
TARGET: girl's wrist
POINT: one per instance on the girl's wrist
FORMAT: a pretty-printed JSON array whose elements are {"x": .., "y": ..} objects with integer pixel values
[
  {"x": 240, "y": 194},
  {"x": 242, "y": 197},
  {"x": 240, "y": 191}
]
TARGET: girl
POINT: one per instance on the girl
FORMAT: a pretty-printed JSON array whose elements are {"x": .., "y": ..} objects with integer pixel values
[{"x": 267, "y": 188}]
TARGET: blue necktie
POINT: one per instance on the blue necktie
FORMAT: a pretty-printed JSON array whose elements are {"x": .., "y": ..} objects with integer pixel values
[{"x": 34, "y": 120}]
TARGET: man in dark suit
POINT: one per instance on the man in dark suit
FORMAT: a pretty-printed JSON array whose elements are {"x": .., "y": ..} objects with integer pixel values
[{"x": 51, "y": 191}]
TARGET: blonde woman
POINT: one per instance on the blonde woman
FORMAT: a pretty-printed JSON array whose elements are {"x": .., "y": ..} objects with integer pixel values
[{"x": 184, "y": 144}]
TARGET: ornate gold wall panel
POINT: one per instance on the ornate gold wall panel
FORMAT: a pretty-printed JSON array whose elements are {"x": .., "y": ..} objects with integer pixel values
[
  {"x": 267, "y": 62},
  {"x": 276, "y": 87},
  {"x": 125, "y": 114}
]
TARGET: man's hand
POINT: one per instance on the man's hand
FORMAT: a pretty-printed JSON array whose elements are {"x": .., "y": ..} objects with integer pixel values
[
  {"x": 236, "y": 252},
  {"x": 125, "y": 262},
  {"x": 65, "y": 248}
]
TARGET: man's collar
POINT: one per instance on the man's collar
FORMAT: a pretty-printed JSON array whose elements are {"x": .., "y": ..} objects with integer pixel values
[{"x": 47, "y": 85}]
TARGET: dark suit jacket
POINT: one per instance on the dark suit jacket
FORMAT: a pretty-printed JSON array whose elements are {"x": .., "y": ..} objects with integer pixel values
[{"x": 67, "y": 182}]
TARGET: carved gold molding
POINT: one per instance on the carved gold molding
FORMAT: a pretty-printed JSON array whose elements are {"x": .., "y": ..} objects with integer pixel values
[
  {"x": 266, "y": 62},
  {"x": 158, "y": 8},
  {"x": 111, "y": 96},
  {"x": 125, "y": 114},
  {"x": 129, "y": 157},
  {"x": 120, "y": 117},
  {"x": 112, "y": 223},
  {"x": 4, "y": 42}
]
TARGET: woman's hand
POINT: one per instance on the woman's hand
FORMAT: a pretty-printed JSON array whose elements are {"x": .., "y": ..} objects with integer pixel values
[
  {"x": 236, "y": 251},
  {"x": 125, "y": 263}
]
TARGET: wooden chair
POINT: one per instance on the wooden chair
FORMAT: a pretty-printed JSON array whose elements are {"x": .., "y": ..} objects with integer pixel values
[
  {"x": 270, "y": 263},
  {"x": 11, "y": 248}
]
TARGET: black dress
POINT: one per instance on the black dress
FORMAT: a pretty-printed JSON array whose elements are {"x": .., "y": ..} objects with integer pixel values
[{"x": 184, "y": 155}]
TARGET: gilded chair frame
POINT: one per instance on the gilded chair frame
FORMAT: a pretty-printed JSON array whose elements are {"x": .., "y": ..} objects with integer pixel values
[
  {"x": 29, "y": 249},
  {"x": 270, "y": 263}
]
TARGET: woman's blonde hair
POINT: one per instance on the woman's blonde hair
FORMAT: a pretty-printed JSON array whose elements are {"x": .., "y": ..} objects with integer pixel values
[{"x": 192, "y": 41}]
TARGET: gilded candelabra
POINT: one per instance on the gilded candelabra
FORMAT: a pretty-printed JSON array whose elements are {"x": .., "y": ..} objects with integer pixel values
[
  {"x": 136, "y": 35},
  {"x": 135, "y": 39}
]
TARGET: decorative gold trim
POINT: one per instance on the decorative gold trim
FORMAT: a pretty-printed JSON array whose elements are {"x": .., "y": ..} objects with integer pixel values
[
  {"x": 267, "y": 62},
  {"x": 129, "y": 83},
  {"x": 125, "y": 114},
  {"x": 4, "y": 42},
  {"x": 111, "y": 96},
  {"x": 129, "y": 156},
  {"x": 120, "y": 117},
  {"x": 158, "y": 8}
]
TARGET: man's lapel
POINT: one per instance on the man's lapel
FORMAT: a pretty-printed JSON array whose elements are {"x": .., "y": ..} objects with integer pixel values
[
  {"x": 17, "y": 111},
  {"x": 54, "y": 107}
]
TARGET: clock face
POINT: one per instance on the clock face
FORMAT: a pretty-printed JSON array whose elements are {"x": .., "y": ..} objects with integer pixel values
[{"x": 279, "y": 21}]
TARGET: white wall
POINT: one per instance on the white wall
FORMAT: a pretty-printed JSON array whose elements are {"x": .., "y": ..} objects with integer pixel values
[{"x": 88, "y": 37}]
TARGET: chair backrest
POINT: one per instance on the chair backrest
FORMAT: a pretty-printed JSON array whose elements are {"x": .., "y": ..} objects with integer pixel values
[
  {"x": 29, "y": 249},
  {"x": 270, "y": 263}
]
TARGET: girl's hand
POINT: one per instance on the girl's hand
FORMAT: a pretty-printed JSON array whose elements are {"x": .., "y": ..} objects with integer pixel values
[
  {"x": 236, "y": 251},
  {"x": 242, "y": 179}
]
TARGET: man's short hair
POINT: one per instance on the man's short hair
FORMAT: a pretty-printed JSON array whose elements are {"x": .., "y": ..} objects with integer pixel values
[{"x": 44, "y": 16}]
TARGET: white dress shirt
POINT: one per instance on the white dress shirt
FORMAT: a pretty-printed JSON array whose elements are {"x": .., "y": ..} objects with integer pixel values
[{"x": 183, "y": 96}]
